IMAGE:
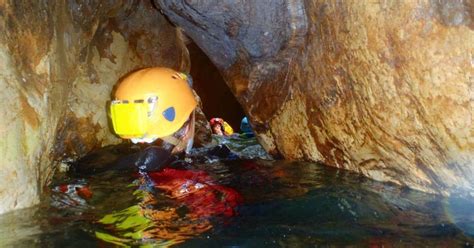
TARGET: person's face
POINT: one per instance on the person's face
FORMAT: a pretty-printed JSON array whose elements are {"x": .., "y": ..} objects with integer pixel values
[{"x": 217, "y": 129}]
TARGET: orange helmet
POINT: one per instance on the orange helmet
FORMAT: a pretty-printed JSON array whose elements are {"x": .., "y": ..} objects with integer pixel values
[{"x": 151, "y": 103}]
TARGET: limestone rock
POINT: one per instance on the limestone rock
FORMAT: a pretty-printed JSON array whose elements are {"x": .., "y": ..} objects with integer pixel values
[{"x": 382, "y": 88}]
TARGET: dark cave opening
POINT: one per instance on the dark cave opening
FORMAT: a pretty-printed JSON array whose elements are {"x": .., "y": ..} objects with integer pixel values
[{"x": 216, "y": 97}]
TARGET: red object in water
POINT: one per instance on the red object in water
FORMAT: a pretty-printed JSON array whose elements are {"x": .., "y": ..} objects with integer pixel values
[
  {"x": 63, "y": 188},
  {"x": 84, "y": 192},
  {"x": 75, "y": 189},
  {"x": 198, "y": 191}
]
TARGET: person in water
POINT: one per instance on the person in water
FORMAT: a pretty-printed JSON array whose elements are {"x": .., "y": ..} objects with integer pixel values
[
  {"x": 245, "y": 128},
  {"x": 155, "y": 107},
  {"x": 221, "y": 127}
]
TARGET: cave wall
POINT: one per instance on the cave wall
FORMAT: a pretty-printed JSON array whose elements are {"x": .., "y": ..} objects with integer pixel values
[
  {"x": 382, "y": 88},
  {"x": 58, "y": 63}
]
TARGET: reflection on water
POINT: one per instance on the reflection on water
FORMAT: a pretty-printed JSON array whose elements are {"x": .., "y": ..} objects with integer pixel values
[
  {"x": 189, "y": 199},
  {"x": 283, "y": 204}
]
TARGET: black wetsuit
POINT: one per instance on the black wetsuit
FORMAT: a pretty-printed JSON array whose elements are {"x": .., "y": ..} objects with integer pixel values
[{"x": 126, "y": 157}]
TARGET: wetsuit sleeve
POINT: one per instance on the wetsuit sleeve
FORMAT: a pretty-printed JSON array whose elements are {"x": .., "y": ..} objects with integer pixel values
[{"x": 153, "y": 158}]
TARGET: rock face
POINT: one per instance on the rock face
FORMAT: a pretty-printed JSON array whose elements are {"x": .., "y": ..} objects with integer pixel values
[
  {"x": 59, "y": 61},
  {"x": 382, "y": 88}
]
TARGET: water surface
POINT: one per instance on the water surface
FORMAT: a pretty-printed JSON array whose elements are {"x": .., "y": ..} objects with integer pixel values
[{"x": 284, "y": 204}]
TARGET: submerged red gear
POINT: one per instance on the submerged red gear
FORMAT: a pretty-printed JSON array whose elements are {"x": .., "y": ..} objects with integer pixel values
[{"x": 198, "y": 191}]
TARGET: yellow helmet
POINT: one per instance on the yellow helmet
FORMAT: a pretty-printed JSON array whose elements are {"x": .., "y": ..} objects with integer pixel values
[{"x": 151, "y": 103}]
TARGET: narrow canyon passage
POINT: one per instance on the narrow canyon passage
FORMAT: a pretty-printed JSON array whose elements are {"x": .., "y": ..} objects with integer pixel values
[
  {"x": 384, "y": 90},
  {"x": 217, "y": 99}
]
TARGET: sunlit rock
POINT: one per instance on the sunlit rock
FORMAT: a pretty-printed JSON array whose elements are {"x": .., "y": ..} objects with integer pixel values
[{"x": 383, "y": 88}]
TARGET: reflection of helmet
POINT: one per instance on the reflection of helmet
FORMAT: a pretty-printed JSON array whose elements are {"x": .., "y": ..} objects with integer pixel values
[{"x": 151, "y": 103}]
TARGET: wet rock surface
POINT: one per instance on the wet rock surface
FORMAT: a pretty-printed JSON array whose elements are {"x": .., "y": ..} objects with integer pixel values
[
  {"x": 59, "y": 62},
  {"x": 384, "y": 89}
]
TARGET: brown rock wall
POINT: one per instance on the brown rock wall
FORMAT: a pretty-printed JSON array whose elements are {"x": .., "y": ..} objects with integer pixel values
[
  {"x": 59, "y": 61},
  {"x": 382, "y": 88}
]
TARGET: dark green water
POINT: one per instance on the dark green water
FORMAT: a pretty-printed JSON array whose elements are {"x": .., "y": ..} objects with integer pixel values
[{"x": 285, "y": 204}]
